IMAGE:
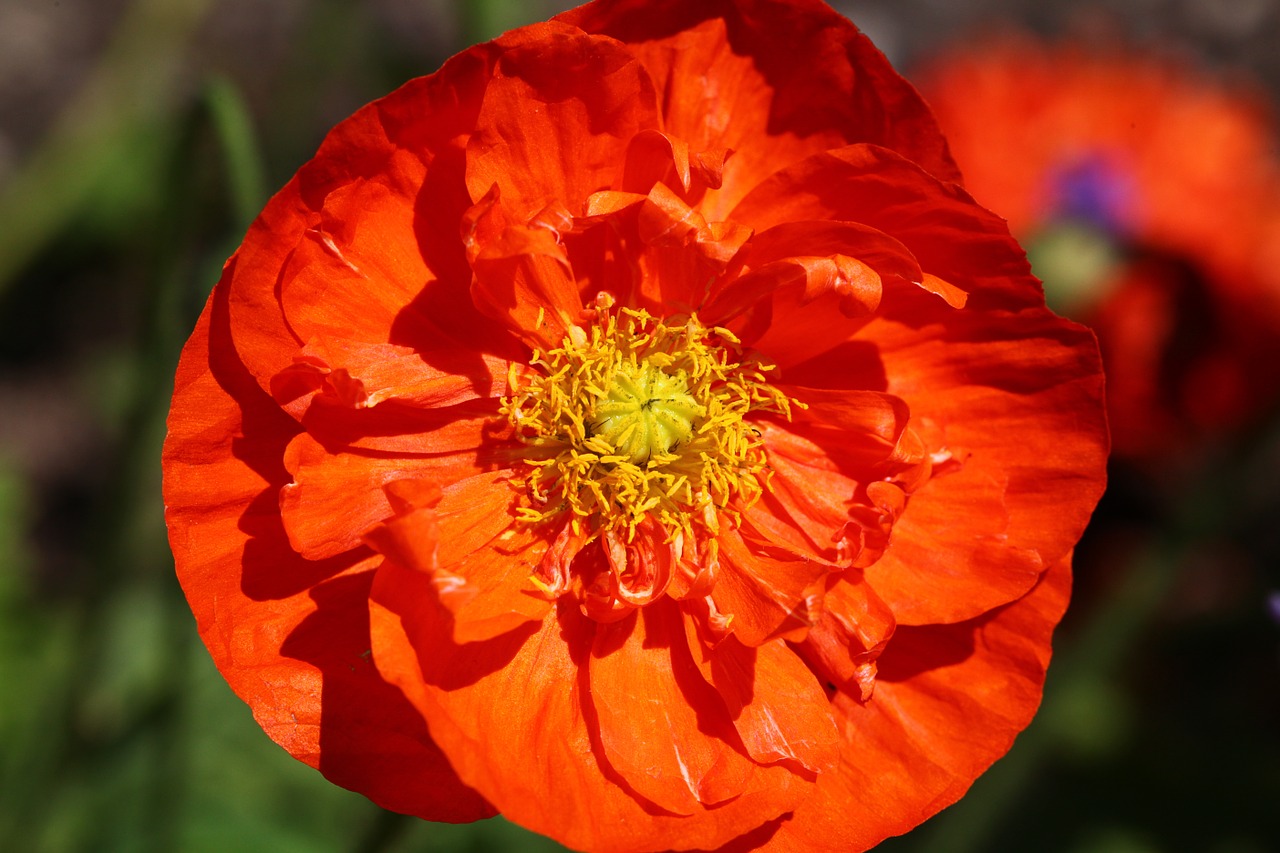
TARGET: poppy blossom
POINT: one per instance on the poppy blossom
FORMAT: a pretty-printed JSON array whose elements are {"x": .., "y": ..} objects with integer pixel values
[
  {"x": 1144, "y": 191},
  {"x": 635, "y": 431}
]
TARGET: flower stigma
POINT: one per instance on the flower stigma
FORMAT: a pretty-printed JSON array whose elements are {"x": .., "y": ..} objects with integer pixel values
[{"x": 637, "y": 416}]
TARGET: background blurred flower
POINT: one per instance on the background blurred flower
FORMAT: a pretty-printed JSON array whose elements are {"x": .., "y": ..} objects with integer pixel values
[
  {"x": 1144, "y": 189},
  {"x": 1143, "y": 192},
  {"x": 625, "y": 429}
]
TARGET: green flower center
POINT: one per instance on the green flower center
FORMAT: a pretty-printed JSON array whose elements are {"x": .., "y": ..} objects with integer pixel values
[{"x": 646, "y": 412}]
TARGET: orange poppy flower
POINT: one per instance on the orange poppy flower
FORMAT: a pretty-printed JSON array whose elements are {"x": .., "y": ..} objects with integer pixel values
[
  {"x": 628, "y": 429},
  {"x": 1143, "y": 190}
]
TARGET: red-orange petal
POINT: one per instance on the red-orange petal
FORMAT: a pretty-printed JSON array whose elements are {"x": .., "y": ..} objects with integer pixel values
[
  {"x": 291, "y": 636},
  {"x": 1017, "y": 398},
  {"x": 383, "y": 147},
  {"x": 523, "y": 279},
  {"x": 658, "y": 252},
  {"x": 887, "y": 257},
  {"x": 780, "y": 710},
  {"x": 361, "y": 375},
  {"x": 465, "y": 541},
  {"x": 768, "y": 590},
  {"x": 652, "y": 157},
  {"x": 334, "y": 498},
  {"x": 853, "y": 631},
  {"x": 556, "y": 119},
  {"x": 839, "y": 442},
  {"x": 359, "y": 264},
  {"x": 730, "y": 80},
  {"x": 336, "y": 492},
  {"x": 912, "y": 751},
  {"x": 661, "y": 726},
  {"x": 515, "y": 716},
  {"x": 962, "y": 245},
  {"x": 470, "y": 427}
]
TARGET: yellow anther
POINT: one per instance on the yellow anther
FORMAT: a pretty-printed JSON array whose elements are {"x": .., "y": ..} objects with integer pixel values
[{"x": 635, "y": 416}]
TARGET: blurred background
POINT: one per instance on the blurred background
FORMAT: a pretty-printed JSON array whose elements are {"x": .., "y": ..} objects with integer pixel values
[{"x": 138, "y": 138}]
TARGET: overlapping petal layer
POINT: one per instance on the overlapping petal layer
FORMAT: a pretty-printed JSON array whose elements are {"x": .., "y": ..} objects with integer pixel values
[
  {"x": 1154, "y": 243},
  {"x": 824, "y": 529},
  {"x": 291, "y": 635}
]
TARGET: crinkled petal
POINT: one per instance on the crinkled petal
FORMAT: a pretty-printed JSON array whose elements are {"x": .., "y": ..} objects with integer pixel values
[
  {"x": 884, "y": 256},
  {"x": 515, "y": 716},
  {"x": 340, "y": 469},
  {"x": 963, "y": 246},
  {"x": 359, "y": 264},
  {"x": 768, "y": 591},
  {"x": 291, "y": 636},
  {"x": 954, "y": 537},
  {"x": 730, "y": 79},
  {"x": 654, "y": 251},
  {"x": 556, "y": 119},
  {"x": 471, "y": 428},
  {"x": 1017, "y": 398},
  {"x": 523, "y": 278},
  {"x": 855, "y": 628},
  {"x": 335, "y": 497},
  {"x": 912, "y": 750},
  {"x": 661, "y": 726},
  {"x": 464, "y": 539},
  {"x": 780, "y": 710},
  {"x": 821, "y": 458},
  {"x": 382, "y": 149},
  {"x": 655, "y": 157},
  {"x": 361, "y": 375}
]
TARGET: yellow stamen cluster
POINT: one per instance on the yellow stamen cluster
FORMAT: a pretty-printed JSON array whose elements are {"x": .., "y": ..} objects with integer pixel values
[{"x": 636, "y": 416}]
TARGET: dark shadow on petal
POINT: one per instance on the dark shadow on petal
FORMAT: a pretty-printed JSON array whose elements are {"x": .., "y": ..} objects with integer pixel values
[
  {"x": 753, "y": 840},
  {"x": 662, "y": 625},
  {"x": 847, "y": 85},
  {"x": 481, "y": 658},
  {"x": 614, "y": 635},
  {"x": 371, "y": 738},
  {"x": 443, "y": 307},
  {"x": 576, "y": 629},
  {"x": 338, "y": 428},
  {"x": 916, "y": 649},
  {"x": 727, "y": 658},
  {"x": 270, "y": 568},
  {"x": 850, "y": 366},
  {"x": 429, "y": 624},
  {"x": 271, "y": 429}
]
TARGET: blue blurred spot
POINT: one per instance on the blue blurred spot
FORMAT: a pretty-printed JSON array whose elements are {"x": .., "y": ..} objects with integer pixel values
[{"x": 1093, "y": 189}]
